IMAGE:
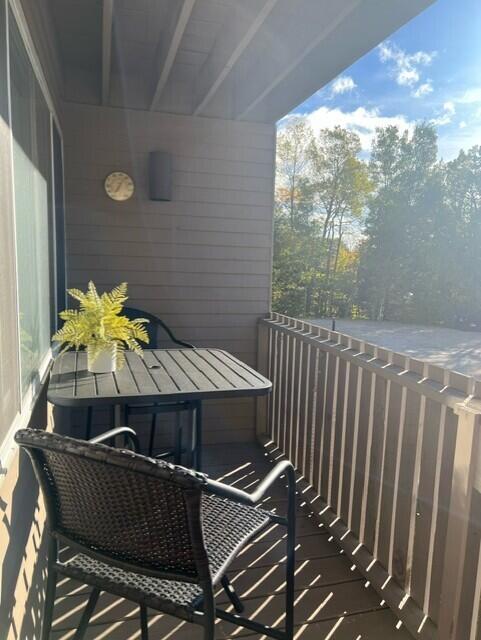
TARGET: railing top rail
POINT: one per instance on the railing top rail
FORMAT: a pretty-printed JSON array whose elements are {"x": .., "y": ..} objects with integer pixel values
[{"x": 441, "y": 385}]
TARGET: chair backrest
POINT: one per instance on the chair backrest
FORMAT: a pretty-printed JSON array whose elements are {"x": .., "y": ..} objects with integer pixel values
[
  {"x": 156, "y": 328},
  {"x": 128, "y": 509}
]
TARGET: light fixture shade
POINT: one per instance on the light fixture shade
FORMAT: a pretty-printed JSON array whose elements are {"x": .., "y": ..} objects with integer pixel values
[{"x": 160, "y": 175}]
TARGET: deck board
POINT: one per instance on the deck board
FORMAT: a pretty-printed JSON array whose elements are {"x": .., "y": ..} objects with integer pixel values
[{"x": 332, "y": 599}]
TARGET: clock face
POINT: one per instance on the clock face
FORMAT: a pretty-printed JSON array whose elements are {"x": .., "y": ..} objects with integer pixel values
[{"x": 119, "y": 186}]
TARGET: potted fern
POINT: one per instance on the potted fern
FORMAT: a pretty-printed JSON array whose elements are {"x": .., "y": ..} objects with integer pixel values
[{"x": 99, "y": 327}]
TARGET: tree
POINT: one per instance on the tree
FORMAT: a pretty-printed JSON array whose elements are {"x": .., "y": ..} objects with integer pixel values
[
  {"x": 341, "y": 185},
  {"x": 463, "y": 240},
  {"x": 321, "y": 190},
  {"x": 403, "y": 169},
  {"x": 396, "y": 237},
  {"x": 293, "y": 184}
]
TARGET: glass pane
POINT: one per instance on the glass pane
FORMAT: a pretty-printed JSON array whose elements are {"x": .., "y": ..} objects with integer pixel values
[
  {"x": 61, "y": 301},
  {"x": 32, "y": 192}
]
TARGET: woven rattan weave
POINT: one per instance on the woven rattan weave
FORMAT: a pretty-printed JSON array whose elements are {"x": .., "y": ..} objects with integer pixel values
[{"x": 152, "y": 532}]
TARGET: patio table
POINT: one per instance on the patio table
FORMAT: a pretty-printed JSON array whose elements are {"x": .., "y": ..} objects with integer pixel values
[{"x": 162, "y": 375}]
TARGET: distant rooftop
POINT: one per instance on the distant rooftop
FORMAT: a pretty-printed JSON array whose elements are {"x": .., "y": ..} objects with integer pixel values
[{"x": 449, "y": 348}]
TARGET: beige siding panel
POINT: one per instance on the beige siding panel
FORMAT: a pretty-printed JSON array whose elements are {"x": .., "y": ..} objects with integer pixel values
[
  {"x": 182, "y": 193},
  {"x": 211, "y": 321},
  {"x": 221, "y": 169},
  {"x": 202, "y": 179},
  {"x": 172, "y": 223},
  {"x": 167, "y": 236},
  {"x": 208, "y": 151},
  {"x": 225, "y": 167},
  {"x": 175, "y": 279},
  {"x": 166, "y": 266},
  {"x": 201, "y": 261},
  {"x": 139, "y": 205},
  {"x": 92, "y": 247}
]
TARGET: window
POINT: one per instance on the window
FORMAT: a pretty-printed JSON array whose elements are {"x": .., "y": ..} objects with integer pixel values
[
  {"x": 33, "y": 205},
  {"x": 58, "y": 227},
  {"x": 32, "y": 253}
]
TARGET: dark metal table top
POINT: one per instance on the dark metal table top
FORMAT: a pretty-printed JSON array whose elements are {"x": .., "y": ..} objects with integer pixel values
[{"x": 161, "y": 375}]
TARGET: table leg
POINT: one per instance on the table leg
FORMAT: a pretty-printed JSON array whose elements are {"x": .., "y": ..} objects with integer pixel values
[
  {"x": 119, "y": 415},
  {"x": 198, "y": 436},
  {"x": 88, "y": 426}
]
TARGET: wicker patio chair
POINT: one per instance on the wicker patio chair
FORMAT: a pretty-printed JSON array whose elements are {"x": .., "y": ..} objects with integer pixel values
[{"x": 154, "y": 533}]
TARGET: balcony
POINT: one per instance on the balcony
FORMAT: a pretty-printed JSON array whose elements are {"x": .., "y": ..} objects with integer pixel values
[
  {"x": 385, "y": 447},
  {"x": 332, "y": 597},
  {"x": 388, "y": 504}
]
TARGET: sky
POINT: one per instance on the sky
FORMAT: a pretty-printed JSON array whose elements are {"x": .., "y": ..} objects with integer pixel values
[{"x": 429, "y": 70}]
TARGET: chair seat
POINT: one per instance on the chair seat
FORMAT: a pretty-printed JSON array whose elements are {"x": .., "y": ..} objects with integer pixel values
[{"x": 228, "y": 526}]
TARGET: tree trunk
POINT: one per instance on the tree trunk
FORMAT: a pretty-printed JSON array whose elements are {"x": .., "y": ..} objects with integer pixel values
[{"x": 334, "y": 270}]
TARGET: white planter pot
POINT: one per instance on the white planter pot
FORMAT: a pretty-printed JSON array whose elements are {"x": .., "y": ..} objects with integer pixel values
[{"x": 103, "y": 363}]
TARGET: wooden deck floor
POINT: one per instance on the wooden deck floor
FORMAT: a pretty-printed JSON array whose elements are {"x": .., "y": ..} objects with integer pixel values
[{"x": 332, "y": 598}]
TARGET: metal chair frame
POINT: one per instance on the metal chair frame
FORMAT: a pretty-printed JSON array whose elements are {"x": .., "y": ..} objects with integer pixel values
[
  {"x": 172, "y": 407},
  {"x": 155, "y": 323},
  {"x": 206, "y": 612}
]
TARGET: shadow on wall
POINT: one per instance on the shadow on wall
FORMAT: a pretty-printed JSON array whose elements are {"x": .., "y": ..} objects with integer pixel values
[{"x": 22, "y": 552}]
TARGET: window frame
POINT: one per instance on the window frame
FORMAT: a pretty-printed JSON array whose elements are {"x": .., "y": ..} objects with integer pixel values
[{"x": 26, "y": 401}]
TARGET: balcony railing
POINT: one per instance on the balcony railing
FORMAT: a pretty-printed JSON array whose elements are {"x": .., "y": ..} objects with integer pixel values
[{"x": 387, "y": 450}]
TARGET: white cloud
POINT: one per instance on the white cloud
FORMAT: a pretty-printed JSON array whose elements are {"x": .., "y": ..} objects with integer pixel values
[
  {"x": 462, "y": 124},
  {"x": 446, "y": 116},
  {"x": 406, "y": 66},
  {"x": 343, "y": 84},
  {"x": 362, "y": 120},
  {"x": 451, "y": 141},
  {"x": 408, "y": 77},
  {"x": 449, "y": 107},
  {"x": 470, "y": 96},
  {"x": 441, "y": 120},
  {"x": 423, "y": 90}
]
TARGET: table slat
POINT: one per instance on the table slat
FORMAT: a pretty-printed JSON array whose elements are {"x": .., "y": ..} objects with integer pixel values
[{"x": 162, "y": 375}]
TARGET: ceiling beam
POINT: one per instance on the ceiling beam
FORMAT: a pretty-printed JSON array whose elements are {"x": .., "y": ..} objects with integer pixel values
[
  {"x": 246, "y": 20},
  {"x": 107, "y": 22},
  {"x": 169, "y": 46},
  {"x": 277, "y": 75},
  {"x": 314, "y": 41}
]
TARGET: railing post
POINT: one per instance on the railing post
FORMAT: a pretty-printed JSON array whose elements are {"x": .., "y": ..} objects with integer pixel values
[
  {"x": 464, "y": 471},
  {"x": 262, "y": 427}
]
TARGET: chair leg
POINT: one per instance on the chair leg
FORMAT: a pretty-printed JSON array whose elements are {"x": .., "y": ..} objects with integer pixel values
[
  {"x": 144, "y": 627},
  {"x": 49, "y": 603},
  {"x": 88, "y": 426},
  {"x": 87, "y": 614},
  {"x": 198, "y": 436},
  {"x": 153, "y": 426},
  {"x": 177, "y": 439},
  {"x": 209, "y": 615},
  {"x": 232, "y": 595}
]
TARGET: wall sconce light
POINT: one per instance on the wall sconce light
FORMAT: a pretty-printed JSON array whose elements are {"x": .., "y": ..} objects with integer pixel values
[{"x": 160, "y": 175}]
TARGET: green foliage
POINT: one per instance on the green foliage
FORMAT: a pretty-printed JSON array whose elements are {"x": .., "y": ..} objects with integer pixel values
[
  {"x": 321, "y": 191},
  {"x": 396, "y": 237},
  {"x": 98, "y": 324},
  {"x": 421, "y": 253}
]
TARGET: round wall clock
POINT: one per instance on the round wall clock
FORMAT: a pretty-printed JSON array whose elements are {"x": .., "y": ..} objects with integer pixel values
[{"x": 119, "y": 186}]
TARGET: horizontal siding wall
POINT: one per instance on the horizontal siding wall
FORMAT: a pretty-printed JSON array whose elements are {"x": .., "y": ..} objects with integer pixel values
[{"x": 202, "y": 262}]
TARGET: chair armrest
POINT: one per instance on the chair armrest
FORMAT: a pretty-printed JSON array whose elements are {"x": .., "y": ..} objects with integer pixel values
[
  {"x": 282, "y": 468},
  {"x": 118, "y": 431}
]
